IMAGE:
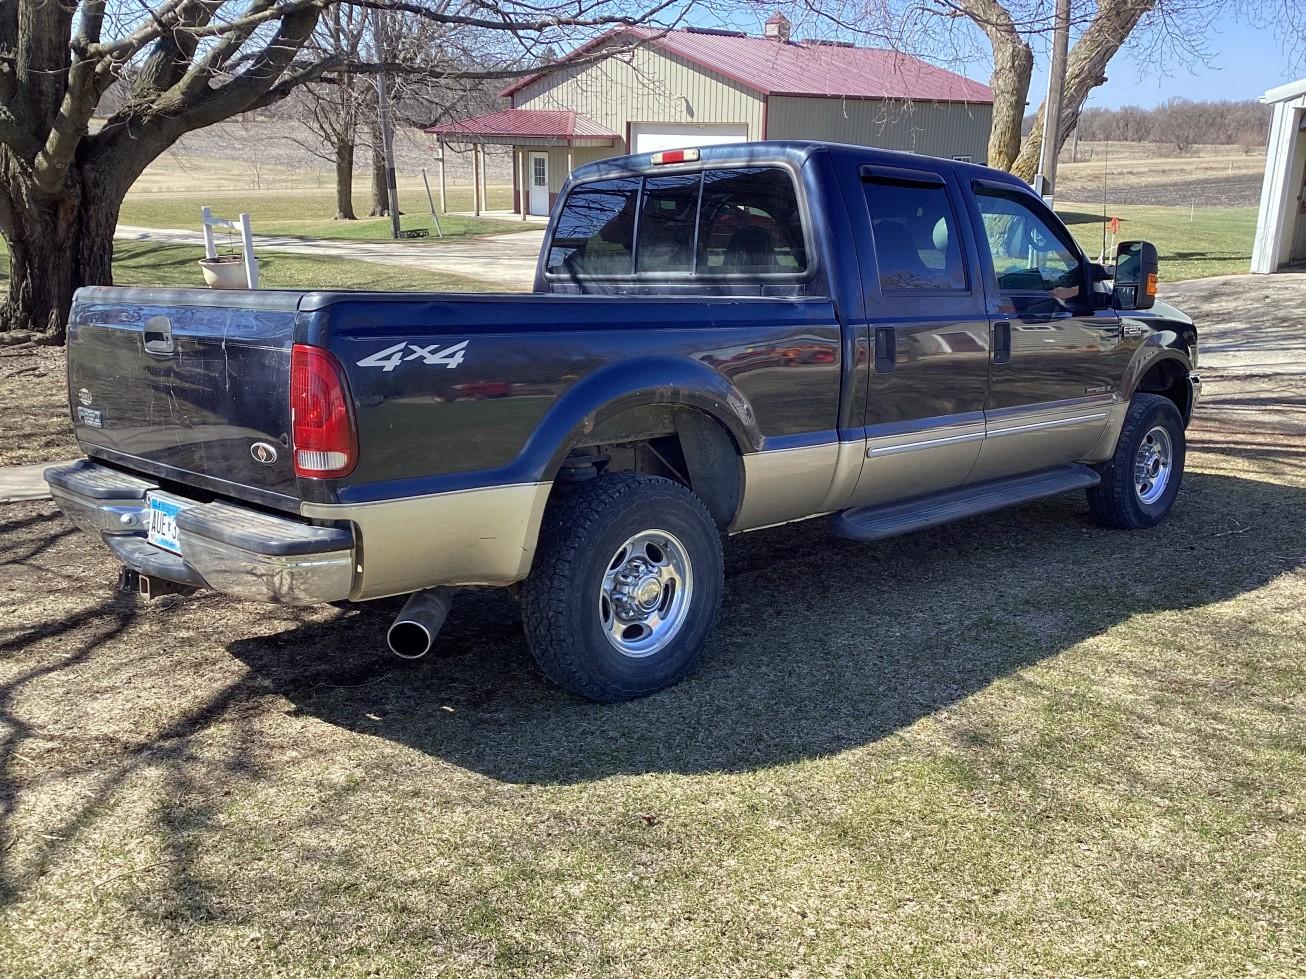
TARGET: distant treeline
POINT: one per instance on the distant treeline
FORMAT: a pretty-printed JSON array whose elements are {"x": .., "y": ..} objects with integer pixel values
[{"x": 1181, "y": 123}]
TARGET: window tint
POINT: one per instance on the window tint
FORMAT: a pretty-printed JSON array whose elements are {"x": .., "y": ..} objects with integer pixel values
[
  {"x": 666, "y": 223},
  {"x": 749, "y": 223},
  {"x": 1028, "y": 254},
  {"x": 916, "y": 244},
  {"x": 596, "y": 229}
]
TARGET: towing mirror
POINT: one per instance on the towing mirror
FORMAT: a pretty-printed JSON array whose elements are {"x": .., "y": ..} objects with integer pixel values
[{"x": 1136, "y": 270}]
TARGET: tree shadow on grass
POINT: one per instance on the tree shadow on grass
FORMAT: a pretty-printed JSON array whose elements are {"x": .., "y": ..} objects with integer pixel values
[{"x": 822, "y": 644}]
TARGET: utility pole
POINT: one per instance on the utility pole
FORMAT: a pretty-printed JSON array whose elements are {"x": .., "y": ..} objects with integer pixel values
[
  {"x": 1046, "y": 177},
  {"x": 387, "y": 133}
]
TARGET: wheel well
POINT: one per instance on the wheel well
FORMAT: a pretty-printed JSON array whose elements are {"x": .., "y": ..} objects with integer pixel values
[
  {"x": 678, "y": 443},
  {"x": 1169, "y": 378}
]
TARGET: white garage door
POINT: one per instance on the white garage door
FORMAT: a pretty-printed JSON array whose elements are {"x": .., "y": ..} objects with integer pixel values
[{"x": 649, "y": 137}]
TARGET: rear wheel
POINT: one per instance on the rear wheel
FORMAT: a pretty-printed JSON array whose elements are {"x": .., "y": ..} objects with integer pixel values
[
  {"x": 1141, "y": 480},
  {"x": 625, "y": 587}
]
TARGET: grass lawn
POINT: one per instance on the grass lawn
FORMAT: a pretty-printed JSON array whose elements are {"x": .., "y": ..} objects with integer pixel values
[
  {"x": 156, "y": 264},
  {"x": 1192, "y": 245},
  {"x": 1021, "y": 745},
  {"x": 305, "y": 213}
]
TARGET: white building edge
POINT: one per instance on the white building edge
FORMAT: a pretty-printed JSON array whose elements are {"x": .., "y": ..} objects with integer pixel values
[{"x": 1281, "y": 226}]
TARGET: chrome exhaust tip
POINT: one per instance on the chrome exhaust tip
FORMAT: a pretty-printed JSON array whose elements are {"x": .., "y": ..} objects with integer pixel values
[{"x": 413, "y": 632}]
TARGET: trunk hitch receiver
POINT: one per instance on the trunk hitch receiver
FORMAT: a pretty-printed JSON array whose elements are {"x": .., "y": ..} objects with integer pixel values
[{"x": 135, "y": 583}]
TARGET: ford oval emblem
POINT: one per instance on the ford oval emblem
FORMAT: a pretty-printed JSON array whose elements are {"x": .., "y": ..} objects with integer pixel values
[
  {"x": 84, "y": 396},
  {"x": 263, "y": 452}
]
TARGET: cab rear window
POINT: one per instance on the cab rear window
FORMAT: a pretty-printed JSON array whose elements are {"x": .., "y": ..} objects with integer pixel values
[{"x": 741, "y": 222}]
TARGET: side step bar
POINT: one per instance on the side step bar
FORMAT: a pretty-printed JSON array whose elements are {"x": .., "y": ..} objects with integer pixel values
[{"x": 891, "y": 519}]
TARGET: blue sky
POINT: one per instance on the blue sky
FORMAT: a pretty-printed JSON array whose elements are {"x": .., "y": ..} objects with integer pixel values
[{"x": 1245, "y": 62}]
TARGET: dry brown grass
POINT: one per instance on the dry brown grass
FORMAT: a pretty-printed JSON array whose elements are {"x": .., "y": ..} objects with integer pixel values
[{"x": 1017, "y": 745}]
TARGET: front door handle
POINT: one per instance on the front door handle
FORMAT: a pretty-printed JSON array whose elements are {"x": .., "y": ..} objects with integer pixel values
[
  {"x": 886, "y": 349},
  {"x": 1001, "y": 342}
]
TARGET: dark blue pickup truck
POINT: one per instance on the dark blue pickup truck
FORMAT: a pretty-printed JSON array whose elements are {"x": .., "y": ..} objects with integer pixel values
[{"x": 719, "y": 340}]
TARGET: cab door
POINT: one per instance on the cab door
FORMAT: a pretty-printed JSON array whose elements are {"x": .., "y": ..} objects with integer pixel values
[
  {"x": 1055, "y": 359},
  {"x": 928, "y": 333}
]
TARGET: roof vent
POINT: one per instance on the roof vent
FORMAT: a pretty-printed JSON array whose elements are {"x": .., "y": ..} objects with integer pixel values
[
  {"x": 815, "y": 42},
  {"x": 715, "y": 32},
  {"x": 778, "y": 28}
]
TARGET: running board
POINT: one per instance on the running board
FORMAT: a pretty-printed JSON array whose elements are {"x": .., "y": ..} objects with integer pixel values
[{"x": 890, "y": 519}]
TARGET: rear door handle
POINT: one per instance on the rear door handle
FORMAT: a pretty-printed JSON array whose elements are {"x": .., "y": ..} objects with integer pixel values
[
  {"x": 1001, "y": 342},
  {"x": 886, "y": 349}
]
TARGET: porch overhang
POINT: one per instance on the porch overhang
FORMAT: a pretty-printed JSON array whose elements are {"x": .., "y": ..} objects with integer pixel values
[{"x": 526, "y": 127}]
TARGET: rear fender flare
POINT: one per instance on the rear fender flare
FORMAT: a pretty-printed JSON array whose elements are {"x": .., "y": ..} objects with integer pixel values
[{"x": 635, "y": 384}]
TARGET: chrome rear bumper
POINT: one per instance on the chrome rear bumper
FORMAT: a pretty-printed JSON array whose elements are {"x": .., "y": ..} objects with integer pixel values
[{"x": 228, "y": 548}]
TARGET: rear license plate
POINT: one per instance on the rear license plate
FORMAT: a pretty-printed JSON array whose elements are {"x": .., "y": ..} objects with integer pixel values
[{"x": 162, "y": 526}]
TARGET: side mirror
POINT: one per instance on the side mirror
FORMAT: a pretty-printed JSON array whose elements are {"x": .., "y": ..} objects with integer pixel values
[{"x": 1136, "y": 271}]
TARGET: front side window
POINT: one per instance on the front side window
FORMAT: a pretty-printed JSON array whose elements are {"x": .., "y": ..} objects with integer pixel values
[
  {"x": 595, "y": 234},
  {"x": 1029, "y": 256},
  {"x": 916, "y": 245}
]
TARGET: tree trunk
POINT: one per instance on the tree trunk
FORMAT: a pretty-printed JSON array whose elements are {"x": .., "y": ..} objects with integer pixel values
[
  {"x": 1085, "y": 70},
  {"x": 1013, "y": 63},
  {"x": 345, "y": 181},
  {"x": 56, "y": 244},
  {"x": 380, "y": 200}
]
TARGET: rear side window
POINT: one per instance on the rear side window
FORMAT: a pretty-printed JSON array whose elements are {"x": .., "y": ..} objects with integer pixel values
[
  {"x": 916, "y": 243},
  {"x": 596, "y": 230},
  {"x": 750, "y": 223},
  {"x": 741, "y": 222}
]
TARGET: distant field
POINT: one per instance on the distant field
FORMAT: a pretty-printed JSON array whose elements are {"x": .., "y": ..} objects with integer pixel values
[
  {"x": 1133, "y": 173},
  {"x": 310, "y": 214}
]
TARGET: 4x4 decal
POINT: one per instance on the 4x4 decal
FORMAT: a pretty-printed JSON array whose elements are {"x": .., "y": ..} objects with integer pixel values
[{"x": 431, "y": 355}]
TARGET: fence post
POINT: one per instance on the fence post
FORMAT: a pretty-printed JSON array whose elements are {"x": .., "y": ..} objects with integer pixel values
[
  {"x": 247, "y": 245},
  {"x": 206, "y": 217}
]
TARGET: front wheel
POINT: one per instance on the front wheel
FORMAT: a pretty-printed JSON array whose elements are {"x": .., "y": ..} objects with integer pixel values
[
  {"x": 1141, "y": 480},
  {"x": 625, "y": 587}
]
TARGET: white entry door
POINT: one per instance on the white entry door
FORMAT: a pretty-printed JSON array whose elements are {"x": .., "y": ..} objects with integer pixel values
[
  {"x": 649, "y": 137},
  {"x": 537, "y": 173}
]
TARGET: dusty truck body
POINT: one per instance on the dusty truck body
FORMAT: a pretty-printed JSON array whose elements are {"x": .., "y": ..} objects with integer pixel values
[{"x": 718, "y": 341}]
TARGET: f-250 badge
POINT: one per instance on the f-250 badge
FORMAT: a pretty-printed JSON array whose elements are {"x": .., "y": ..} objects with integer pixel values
[{"x": 432, "y": 356}]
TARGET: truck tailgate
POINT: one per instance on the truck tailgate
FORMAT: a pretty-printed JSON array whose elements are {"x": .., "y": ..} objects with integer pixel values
[{"x": 191, "y": 385}]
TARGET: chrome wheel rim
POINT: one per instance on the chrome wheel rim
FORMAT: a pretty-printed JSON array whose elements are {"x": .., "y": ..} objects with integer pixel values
[
  {"x": 1153, "y": 465},
  {"x": 646, "y": 591}
]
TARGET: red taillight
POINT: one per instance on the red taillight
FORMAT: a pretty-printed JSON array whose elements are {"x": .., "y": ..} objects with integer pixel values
[{"x": 322, "y": 426}]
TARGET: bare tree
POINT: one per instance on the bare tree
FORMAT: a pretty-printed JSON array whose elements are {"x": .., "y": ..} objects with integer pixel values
[{"x": 185, "y": 64}]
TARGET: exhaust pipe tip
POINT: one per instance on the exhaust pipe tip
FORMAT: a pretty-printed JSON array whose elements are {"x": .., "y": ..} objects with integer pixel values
[
  {"x": 413, "y": 632},
  {"x": 408, "y": 639}
]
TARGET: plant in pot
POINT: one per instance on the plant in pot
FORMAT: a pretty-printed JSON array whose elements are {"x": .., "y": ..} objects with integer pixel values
[{"x": 226, "y": 271}]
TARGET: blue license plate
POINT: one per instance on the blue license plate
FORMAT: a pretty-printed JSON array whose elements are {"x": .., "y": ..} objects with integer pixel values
[{"x": 162, "y": 526}]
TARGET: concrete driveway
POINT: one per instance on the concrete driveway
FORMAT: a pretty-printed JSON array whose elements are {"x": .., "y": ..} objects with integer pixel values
[{"x": 506, "y": 260}]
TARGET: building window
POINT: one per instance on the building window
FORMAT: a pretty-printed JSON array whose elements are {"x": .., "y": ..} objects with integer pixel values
[
  {"x": 539, "y": 171},
  {"x": 596, "y": 230},
  {"x": 915, "y": 231}
]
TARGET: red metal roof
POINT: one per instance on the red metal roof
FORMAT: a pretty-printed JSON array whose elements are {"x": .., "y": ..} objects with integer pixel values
[
  {"x": 805, "y": 68},
  {"x": 530, "y": 123}
]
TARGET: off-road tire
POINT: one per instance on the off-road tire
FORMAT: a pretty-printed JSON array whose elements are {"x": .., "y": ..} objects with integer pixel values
[
  {"x": 1116, "y": 502},
  {"x": 583, "y": 528}
]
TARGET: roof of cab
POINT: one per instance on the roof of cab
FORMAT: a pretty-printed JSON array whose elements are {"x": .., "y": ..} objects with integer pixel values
[{"x": 795, "y": 152}]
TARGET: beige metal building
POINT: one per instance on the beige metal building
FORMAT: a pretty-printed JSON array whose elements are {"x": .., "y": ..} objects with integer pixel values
[{"x": 638, "y": 90}]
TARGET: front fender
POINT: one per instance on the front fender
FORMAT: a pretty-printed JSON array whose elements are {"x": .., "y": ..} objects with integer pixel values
[
  {"x": 634, "y": 384},
  {"x": 1161, "y": 345}
]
